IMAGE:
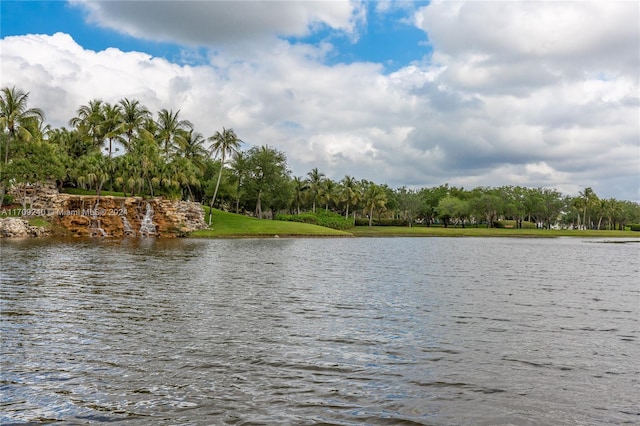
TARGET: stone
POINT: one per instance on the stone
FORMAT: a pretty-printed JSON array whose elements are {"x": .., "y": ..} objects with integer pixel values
[
  {"x": 15, "y": 227},
  {"x": 109, "y": 216}
]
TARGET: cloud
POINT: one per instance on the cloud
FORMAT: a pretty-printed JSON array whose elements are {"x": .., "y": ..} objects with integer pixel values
[
  {"x": 221, "y": 23},
  {"x": 508, "y": 97}
]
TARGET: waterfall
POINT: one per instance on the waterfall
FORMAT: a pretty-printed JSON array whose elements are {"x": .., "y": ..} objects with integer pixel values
[
  {"x": 146, "y": 225},
  {"x": 95, "y": 228},
  {"x": 128, "y": 229}
]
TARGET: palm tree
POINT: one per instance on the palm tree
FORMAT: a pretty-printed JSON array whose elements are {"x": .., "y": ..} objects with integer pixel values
[
  {"x": 349, "y": 192},
  {"x": 589, "y": 199},
  {"x": 375, "y": 197},
  {"x": 239, "y": 168},
  {"x": 14, "y": 114},
  {"x": 92, "y": 170},
  {"x": 88, "y": 120},
  {"x": 191, "y": 147},
  {"x": 111, "y": 126},
  {"x": 134, "y": 115},
  {"x": 225, "y": 143},
  {"x": 299, "y": 186},
  {"x": 169, "y": 127},
  {"x": 328, "y": 192},
  {"x": 315, "y": 181}
]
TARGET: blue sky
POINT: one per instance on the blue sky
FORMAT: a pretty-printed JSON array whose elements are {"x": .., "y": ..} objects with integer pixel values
[
  {"x": 387, "y": 38},
  {"x": 405, "y": 93}
]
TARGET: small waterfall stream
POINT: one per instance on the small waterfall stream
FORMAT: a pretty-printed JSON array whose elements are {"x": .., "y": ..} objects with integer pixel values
[
  {"x": 147, "y": 227},
  {"x": 95, "y": 228}
]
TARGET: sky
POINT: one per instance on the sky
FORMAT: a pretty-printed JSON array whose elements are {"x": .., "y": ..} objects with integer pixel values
[{"x": 416, "y": 94}]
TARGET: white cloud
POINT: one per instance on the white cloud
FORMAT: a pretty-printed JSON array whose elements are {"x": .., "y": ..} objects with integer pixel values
[
  {"x": 508, "y": 97},
  {"x": 220, "y": 23}
]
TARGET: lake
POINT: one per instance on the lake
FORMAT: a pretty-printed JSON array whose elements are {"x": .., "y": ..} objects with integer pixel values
[{"x": 379, "y": 331}]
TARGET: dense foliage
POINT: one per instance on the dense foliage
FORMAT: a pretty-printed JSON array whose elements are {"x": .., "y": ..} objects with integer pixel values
[{"x": 121, "y": 147}]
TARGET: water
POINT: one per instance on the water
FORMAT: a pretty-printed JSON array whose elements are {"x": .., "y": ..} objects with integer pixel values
[
  {"x": 426, "y": 331},
  {"x": 146, "y": 226}
]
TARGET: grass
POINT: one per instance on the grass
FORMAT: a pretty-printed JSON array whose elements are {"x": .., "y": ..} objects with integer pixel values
[
  {"x": 39, "y": 221},
  {"x": 80, "y": 191},
  {"x": 226, "y": 225},
  {"x": 423, "y": 231},
  {"x": 233, "y": 225}
]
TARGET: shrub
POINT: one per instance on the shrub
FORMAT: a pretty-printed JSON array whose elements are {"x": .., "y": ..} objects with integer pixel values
[
  {"x": 321, "y": 218},
  {"x": 635, "y": 227},
  {"x": 8, "y": 199},
  {"x": 382, "y": 222}
]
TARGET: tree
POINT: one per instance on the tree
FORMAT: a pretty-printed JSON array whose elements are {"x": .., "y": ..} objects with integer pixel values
[
  {"x": 409, "y": 202},
  {"x": 328, "y": 193},
  {"x": 487, "y": 202},
  {"x": 169, "y": 129},
  {"x": 429, "y": 199},
  {"x": 589, "y": 200},
  {"x": 134, "y": 116},
  {"x": 111, "y": 126},
  {"x": 451, "y": 207},
  {"x": 374, "y": 198},
  {"x": 36, "y": 162},
  {"x": 191, "y": 146},
  {"x": 349, "y": 193},
  {"x": 87, "y": 121},
  {"x": 268, "y": 178},
  {"x": 299, "y": 187},
  {"x": 92, "y": 171},
  {"x": 240, "y": 170},
  {"x": 14, "y": 115},
  {"x": 225, "y": 143},
  {"x": 314, "y": 182}
]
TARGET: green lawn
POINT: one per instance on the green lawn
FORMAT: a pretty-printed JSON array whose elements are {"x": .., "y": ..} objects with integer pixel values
[
  {"x": 80, "y": 191},
  {"x": 423, "y": 231},
  {"x": 233, "y": 225}
]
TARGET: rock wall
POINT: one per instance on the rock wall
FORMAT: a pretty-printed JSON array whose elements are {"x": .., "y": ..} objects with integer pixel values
[
  {"x": 15, "y": 227},
  {"x": 108, "y": 216}
]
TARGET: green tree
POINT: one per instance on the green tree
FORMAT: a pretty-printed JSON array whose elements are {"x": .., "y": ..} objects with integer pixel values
[
  {"x": 451, "y": 207},
  {"x": 192, "y": 147},
  {"x": 88, "y": 121},
  {"x": 92, "y": 170},
  {"x": 111, "y": 125},
  {"x": 299, "y": 188},
  {"x": 170, "y": 128},
  {"x": 375, "y": 197},
  {"x": 314, "y": 182},
  {"x": 35, "y": 163},
  {"x": 225, "y": 143},
  {"x": 239, "y": 170},
  {"x": 14, "y": 115},
  {"x": 328, "y": 193},
  {"x": 134, "y": 116},
  {"x": 487, "y": 203},
  {"x": 589, "y": 201},
  {"x": 429, "y": 200},
  {"x": 349, "y": 193},
  {"x": 268, "y": 178}
]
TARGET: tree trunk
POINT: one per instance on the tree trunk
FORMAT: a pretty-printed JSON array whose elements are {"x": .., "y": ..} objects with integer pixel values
[
  {"x": 215, "y": 191},
  {"x": 3, "y": 190},
  {"x": 371, "y": 217},
  {"x": 259, "y": 205}
]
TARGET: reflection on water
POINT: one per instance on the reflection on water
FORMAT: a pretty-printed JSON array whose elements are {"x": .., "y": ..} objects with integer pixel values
[{"x": 308, "y": 331}]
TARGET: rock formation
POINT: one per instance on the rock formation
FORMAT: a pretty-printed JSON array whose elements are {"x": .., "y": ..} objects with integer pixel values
[
  {"x": 15, "y": 227},
  {"x": 108, "y": 216}
]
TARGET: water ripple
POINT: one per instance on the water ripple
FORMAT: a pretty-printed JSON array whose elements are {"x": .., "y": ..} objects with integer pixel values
[{"x": 345, "y": 332}]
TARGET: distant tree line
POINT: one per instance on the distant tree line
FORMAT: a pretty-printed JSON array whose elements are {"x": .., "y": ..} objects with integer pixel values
[{"x": 123, "y": 147}]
